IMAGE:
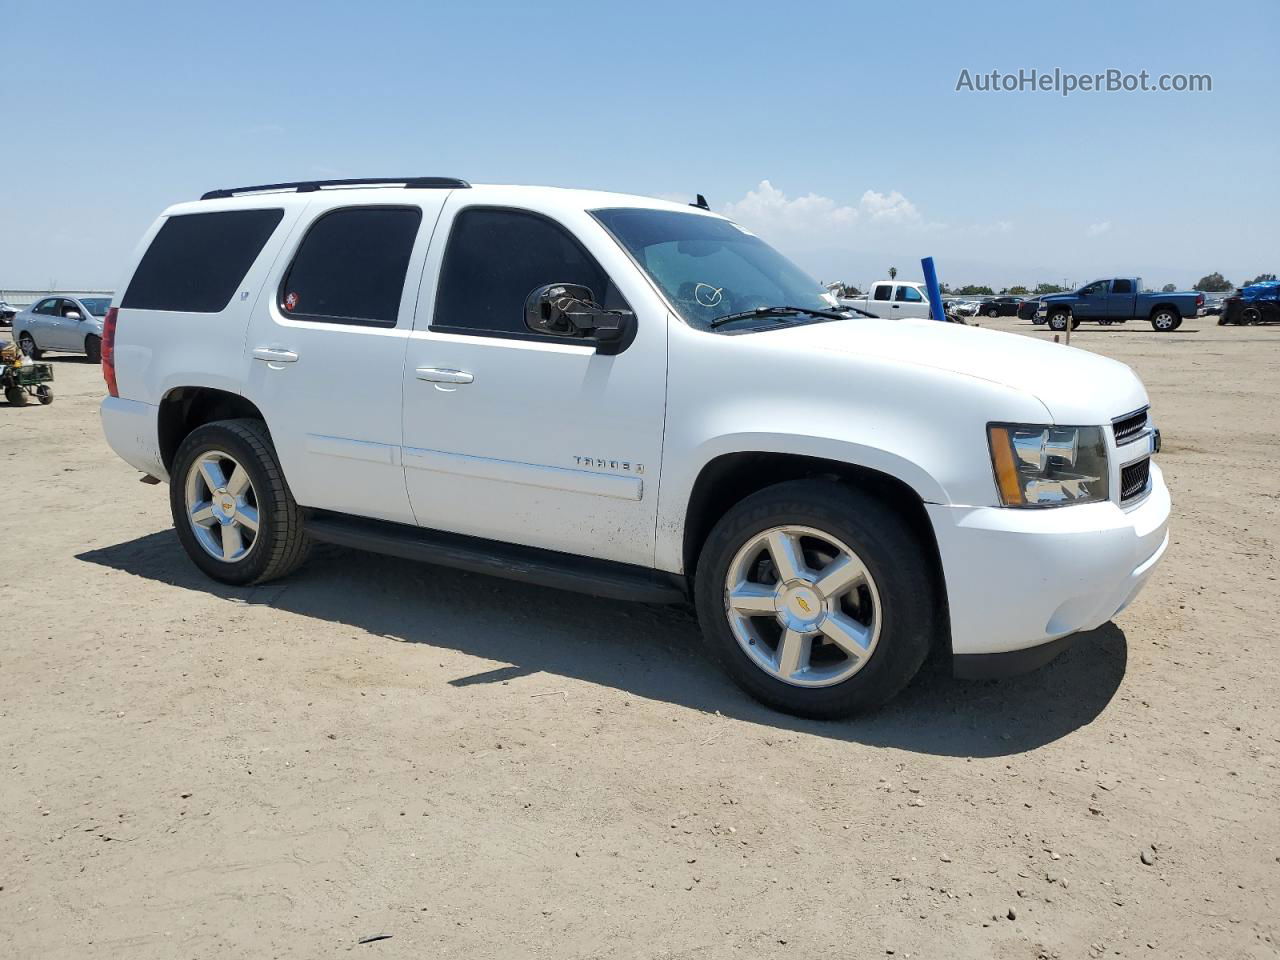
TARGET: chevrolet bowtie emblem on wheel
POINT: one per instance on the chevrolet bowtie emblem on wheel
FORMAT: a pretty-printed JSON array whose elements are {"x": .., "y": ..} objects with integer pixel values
[{"x": 804, "y": 604}]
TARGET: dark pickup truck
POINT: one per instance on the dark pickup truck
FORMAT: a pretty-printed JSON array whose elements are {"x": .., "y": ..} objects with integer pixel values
[{"x": 1118, "y": 300}]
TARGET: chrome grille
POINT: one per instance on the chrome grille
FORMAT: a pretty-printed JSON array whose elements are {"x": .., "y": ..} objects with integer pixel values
[
  {"x": 1134, "y": 479},
  {"x": 1130, "y": 426}
]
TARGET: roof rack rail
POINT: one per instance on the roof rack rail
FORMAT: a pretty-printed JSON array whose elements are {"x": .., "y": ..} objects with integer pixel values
[{"x": 311, "y": 186}]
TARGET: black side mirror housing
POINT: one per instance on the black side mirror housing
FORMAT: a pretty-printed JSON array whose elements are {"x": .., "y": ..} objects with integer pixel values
[{"x": 570, "y": 310}]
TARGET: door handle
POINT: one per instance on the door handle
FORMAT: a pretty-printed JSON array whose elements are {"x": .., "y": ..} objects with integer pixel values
[
  {"x": 274, "y": 355},
  {"x": 443, "y": 375}
]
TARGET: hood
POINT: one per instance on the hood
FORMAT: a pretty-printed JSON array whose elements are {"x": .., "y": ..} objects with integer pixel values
[
  {"x": 1059, "y": 297},
  {"x": 1077, "y": 387}
]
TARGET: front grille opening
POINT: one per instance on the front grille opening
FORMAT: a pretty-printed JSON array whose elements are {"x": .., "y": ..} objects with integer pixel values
[
  {"x": 1134, "y": 479},
  {"x": 1130, "y": 426}
]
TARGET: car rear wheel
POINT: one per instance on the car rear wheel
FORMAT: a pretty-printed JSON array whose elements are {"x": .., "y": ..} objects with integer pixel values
[
  {"x": 93, "y": 348},
  {"x": 817, "y": 599},
  {"x": 1251, "y": 315},
  {"x": 231, "y": 507},
  {"x": 1165, "y": 320},
  {"x": 993, "y": 313},
  {"x": 28, "y": 347}
]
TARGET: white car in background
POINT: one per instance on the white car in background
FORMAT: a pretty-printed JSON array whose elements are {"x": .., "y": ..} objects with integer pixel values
[{"x": 892, "y": 299}]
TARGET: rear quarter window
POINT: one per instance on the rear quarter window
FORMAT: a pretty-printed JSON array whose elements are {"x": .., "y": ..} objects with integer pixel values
[{"x": 197, "y": 260}]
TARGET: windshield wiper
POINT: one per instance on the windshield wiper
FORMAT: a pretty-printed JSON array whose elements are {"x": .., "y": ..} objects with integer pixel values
[{"x": 779, "y": 311}]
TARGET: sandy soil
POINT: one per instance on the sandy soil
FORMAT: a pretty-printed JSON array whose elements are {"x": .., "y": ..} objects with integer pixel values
[{"x": 475, "y": 768}]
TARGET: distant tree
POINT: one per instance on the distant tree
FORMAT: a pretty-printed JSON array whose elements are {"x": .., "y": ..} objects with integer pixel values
[
  {"x": 1043, "y": 288},
  {"x": 893, "y": 273},
  {"x": 971, "y": 290},
  {"x": 1168, "y": 288},
  {"x": 1262, "y": 278},
  {"x": 1213, "y": 283},
  {"x": 1017, "y": 291},
  {"x": 944, "y": 288},
  {"x": 851, "y": 291}
]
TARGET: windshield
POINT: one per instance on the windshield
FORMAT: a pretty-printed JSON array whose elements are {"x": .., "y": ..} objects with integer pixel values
[
  {"x": 709, "y": 267},
  {"x": 96, "y": 305}
]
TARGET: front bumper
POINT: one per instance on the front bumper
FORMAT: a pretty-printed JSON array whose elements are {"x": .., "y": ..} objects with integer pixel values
[{"x": 1022, "y": 579}]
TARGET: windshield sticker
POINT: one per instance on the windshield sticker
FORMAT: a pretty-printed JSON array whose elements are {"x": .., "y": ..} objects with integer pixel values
[{"x": 708, "y": 295}]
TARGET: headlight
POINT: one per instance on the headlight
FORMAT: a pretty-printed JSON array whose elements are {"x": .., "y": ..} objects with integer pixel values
[{"x": 1037, "y": 466}]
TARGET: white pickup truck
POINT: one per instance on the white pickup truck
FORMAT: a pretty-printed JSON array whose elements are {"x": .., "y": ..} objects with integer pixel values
[
  {"x": 891, "y": 299},
  {"x": 634, "y": 399}
]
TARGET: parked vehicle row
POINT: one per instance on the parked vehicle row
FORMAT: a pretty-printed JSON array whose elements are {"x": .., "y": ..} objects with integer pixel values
[{"x": 636, "y": 399}]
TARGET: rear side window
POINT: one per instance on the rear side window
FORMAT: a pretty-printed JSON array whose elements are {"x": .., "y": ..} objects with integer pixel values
[
  {"x": 1122, "y": 286},
  {"x": 197, "y": 260},
  {"x": 351, "y": 265},
  {"x": 883, "y": 291},
  {"x": 496, "y": 258}
]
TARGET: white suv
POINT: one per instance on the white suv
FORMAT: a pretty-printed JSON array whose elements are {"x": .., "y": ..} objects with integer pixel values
[{"x": 634, "y": 399}]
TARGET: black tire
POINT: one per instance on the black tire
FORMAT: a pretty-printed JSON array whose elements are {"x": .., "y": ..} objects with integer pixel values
[
  {"x": 44, "y": 394},
  {"x": 1058, "y": 321},
  {"x": 1250, "y": 315},
  {"x": 892, "y": 554},
  {"x": 1165, "y": 319},
  {"x": 281, "y": 544},
  {"x": 993, "y": 313},
  {"x": 16, "y": 396},
  {"x": 93, "y": 348},
  {"x": 27, "y": 344}
]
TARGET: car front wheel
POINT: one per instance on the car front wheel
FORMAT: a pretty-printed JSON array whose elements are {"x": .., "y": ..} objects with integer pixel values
[{"x": 817, "y": 598}]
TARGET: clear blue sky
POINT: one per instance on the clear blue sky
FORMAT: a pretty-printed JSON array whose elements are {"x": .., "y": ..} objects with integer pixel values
[{"x": 111, "y": 111}]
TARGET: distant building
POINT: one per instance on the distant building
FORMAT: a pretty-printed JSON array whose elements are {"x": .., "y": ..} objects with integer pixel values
[{"x": 24, "y": 298}]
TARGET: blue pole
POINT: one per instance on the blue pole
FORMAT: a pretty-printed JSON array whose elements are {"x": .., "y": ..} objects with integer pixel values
[{"x": 931, "y": 284}]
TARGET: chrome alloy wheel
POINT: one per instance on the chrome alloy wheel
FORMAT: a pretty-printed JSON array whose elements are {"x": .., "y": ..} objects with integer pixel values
[
  {"x": 222, "y": 506},
  {"x": 803, "y": 606}
]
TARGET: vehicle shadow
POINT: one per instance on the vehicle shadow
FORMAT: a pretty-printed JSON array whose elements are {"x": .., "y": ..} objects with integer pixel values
[{"x": 649, "y": 651}]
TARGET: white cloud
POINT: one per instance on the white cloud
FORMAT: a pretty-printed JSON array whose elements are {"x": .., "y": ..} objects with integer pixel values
[
  {"x": 771, "y": 212},
  {"x": 1098, "y": 229},
  {"x": 891, "y": 207},
  {"x": 988, "y": 229},
  {"x": 767, "y": 208}
]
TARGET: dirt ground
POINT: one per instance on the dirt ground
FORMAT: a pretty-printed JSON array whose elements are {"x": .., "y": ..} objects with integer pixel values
[{"x": 469, "y": 767}]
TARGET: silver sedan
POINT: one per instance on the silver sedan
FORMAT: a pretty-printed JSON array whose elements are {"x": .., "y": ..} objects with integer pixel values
[{"x": 64, "y": 324}]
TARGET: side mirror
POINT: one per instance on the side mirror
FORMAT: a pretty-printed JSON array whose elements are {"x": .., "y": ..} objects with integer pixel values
[
  {"x": 73, "y": 315},
  {"x": 570, "y": 310}
]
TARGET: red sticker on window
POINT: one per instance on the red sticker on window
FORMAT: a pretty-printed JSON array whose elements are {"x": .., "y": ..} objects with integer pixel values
[{"x": 291, "y": 301}]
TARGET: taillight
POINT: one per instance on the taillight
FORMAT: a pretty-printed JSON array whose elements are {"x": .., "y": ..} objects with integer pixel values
[
  {"x": 109, "y": 351},
  {"x": 1200, "y": 300}
]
